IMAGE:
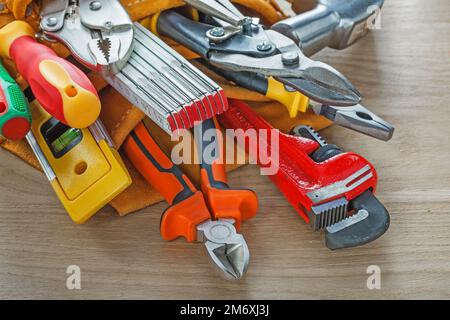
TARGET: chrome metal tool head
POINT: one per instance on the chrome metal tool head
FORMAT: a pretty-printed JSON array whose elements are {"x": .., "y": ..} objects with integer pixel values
[
  {"x": 98, "y": 33},
  {"x": 227, "y": 248},
  {"x": 287, "y": 63},
  {"x": 222, "y": 9},
  {"x": 357, "y": 118},
  {"x": 369, "y": 222},
  {"x": 342, "y": 23}
]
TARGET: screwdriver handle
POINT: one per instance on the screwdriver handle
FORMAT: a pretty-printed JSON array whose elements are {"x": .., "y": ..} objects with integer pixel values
[
  {"x": 15, "y": 116},
  {"x": 224, "y": 202},
  {"x": 61, "y": 88},
  {"x": 188, "y": 207}
]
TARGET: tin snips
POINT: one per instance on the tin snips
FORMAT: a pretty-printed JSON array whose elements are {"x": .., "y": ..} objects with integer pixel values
[{"x": 240, "y": 49}]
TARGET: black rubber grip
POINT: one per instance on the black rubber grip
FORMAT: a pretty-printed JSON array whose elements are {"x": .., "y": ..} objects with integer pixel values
[
  {"x": 202, "y": 144},
  {"x": 249, "y": 80},
  {"x": 185, "y": 31}
]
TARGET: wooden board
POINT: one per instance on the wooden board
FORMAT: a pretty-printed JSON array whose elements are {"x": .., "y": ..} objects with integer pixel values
[{"x": 403, "y": 70}]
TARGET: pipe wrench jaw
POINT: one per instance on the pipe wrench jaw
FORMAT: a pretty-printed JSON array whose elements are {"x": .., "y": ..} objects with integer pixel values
[
  {"x": 347, "y": 209},
  {"x": 99, "y": 34},
  {"x": 369, "y": 222}
]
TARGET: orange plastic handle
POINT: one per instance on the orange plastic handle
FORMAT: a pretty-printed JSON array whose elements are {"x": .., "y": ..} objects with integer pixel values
[
  {"x": 223, "y": 202},
  {"x": 188, "y": 207},
  {"x": 156, "y": 167}
]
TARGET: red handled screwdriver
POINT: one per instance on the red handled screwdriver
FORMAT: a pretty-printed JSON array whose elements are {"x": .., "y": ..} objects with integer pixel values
[{"x": 62, "y": 89}]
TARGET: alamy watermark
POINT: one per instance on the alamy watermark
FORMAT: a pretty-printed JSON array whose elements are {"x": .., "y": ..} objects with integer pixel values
[
  {"x": 261, "y": 145},
  {"x": 73, "y": 281},
  {"x": 374, "y": 280}
]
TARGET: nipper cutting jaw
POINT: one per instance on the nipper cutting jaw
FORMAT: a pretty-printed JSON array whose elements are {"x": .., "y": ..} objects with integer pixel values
[
  {"x": 86, "y": 27},
  {"x": 210, "y": 216},
  {"x": 227, "y": 248}
]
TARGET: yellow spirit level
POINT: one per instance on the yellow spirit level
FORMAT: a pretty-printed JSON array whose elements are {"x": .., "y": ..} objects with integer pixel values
[{"x": 82, "y": 165}]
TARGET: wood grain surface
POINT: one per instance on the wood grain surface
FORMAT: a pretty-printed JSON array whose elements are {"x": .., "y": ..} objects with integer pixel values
[{"x": 403, "y": 70}]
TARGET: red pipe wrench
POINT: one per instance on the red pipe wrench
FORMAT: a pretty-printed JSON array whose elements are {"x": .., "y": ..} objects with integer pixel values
[{"x": 329, "y": 188}]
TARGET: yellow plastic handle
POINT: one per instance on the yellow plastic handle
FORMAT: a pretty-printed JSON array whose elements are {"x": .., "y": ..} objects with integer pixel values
[
  {"x": 293, "y": 100},
  {"x": 10, "y": 32},
  {"x": 81, "y": 106}
]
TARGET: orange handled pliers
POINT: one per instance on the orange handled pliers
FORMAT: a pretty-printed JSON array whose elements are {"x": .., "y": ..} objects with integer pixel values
[{"x": 210, "y": 215}]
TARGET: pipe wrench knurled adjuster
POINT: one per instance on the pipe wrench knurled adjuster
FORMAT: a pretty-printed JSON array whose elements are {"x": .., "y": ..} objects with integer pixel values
[
  {"x": 329, "y": 188},
  {"x": 211, "y": 215}
]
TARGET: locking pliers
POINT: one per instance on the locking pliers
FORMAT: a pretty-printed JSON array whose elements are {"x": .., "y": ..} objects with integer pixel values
[{"x": 86, "y": 27}]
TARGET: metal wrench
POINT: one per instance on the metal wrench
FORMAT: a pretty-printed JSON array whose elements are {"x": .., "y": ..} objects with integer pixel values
[
  {"x": 329, "y": 188},
  {"x": 332, "y": 23}
]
